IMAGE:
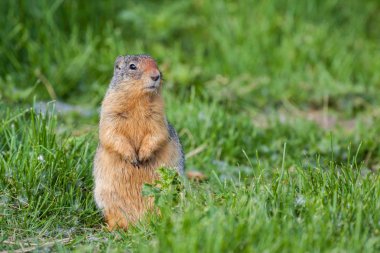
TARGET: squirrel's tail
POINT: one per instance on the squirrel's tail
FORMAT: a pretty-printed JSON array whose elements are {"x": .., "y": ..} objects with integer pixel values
[{"x": 197, "y": 176}]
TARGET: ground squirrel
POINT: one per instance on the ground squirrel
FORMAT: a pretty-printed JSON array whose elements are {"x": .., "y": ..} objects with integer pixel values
[{"x": 134, "y": 140}]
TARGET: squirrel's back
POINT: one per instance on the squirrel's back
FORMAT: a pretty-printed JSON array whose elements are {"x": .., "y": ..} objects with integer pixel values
[{"x": 174, "y": 136}]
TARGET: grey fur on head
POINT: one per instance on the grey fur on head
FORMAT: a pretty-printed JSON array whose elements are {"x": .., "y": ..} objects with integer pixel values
[{"x": 123, "y": 71}]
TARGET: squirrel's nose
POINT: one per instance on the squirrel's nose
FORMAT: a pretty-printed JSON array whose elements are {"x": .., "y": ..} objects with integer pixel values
[{"x": 156, "y": 77}]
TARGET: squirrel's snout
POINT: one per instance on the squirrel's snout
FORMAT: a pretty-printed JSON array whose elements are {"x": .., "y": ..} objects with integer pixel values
[{"x": 155, "y": 77}]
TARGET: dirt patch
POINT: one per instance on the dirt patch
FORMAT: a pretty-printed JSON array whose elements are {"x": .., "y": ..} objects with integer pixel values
[{"x": 327, "y": 120}]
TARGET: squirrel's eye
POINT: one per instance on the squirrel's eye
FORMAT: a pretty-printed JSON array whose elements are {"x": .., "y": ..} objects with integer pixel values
[{"x": 132, "y": 66}]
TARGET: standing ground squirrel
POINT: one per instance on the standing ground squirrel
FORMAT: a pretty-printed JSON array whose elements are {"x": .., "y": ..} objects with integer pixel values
[{"x": 134, "y": 140}]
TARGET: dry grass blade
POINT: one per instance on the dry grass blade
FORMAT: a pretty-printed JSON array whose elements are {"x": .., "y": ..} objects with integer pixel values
[
  {"x": 33, "y": 245},
  {"x": 196, "y": 151}
]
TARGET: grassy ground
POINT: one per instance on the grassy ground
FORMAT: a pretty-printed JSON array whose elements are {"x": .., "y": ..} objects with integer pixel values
[{"x": 275, "y": 101}]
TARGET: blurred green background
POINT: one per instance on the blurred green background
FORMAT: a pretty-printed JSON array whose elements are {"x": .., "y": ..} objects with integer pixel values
[
  {"x": 246, "y": 54},
  {"x": 239, "y": 75}
]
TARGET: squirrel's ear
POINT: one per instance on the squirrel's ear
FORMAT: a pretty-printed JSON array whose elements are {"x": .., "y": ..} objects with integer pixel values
[{"x": 119, "y": 61}]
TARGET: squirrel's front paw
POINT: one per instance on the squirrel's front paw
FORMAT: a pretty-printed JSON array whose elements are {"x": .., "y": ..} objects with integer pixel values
[
  {"x": 133, "y": 160},
  {"x": 136, "y": 163},
  {"x": 144, "y": 155}
]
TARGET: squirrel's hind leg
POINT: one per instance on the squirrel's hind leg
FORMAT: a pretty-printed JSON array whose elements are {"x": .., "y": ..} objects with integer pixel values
[{"x": 116, "y": 219}]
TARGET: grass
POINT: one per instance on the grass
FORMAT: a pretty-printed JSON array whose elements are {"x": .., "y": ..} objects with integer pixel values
[
  {"x": 279, "y": 99},
  {"x": 46, "y": 196}
]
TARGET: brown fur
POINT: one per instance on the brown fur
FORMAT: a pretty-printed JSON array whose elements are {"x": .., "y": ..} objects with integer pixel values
[{"x": 134, "y": 141}]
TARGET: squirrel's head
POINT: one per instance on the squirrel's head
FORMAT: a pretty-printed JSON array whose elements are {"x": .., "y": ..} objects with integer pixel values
[{"x": 136, "y": 72}]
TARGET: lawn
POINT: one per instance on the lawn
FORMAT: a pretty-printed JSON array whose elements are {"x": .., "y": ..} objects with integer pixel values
[{"x": 276, "y": 102}]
